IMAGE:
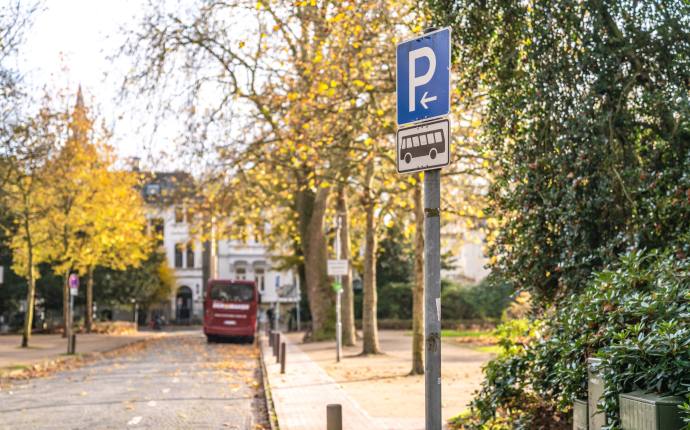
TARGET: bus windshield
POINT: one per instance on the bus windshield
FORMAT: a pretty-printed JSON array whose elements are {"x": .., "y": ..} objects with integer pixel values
[{"x": 232, "y": 292}]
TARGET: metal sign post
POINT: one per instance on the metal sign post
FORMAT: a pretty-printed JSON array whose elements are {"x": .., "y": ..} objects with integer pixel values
[
  {"x": 338, "y": 268},
  {"x": 423, "y": 90},
  {"x": 432, "y": 298},
  {"x": 338, "y": 280},
  {"x": 73, "y": 282}
]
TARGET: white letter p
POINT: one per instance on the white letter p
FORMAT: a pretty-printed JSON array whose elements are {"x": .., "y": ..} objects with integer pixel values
[{"x": 416, "y": 81}]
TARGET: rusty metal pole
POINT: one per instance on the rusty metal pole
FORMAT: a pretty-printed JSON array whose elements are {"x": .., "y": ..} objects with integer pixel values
[{"x": 334, "y": 417}]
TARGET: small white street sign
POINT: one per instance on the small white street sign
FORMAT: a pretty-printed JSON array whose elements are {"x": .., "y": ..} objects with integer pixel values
[
  {"x": 338, "y": 267},
  {"x": 423, "y": 147}
]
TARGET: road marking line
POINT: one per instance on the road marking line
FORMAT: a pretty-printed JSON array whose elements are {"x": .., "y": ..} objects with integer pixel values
[{"x": 134, "y": 421}]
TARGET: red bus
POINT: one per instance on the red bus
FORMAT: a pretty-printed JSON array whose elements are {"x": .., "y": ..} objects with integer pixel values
[{"x": 230, "y": 309}]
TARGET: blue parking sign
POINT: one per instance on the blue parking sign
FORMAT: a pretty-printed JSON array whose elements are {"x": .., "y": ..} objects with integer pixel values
[{"x": 423, "y": 77}]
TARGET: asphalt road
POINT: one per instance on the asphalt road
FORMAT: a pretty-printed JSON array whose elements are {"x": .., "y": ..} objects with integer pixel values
[{"x": 177, "y": 382}]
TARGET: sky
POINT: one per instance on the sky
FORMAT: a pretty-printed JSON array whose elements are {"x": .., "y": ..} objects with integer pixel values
[{"x": 69, "y": 44}]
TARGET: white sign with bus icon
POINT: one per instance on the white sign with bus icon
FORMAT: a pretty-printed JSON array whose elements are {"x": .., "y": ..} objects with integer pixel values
[{"x": 423, "y": 147}]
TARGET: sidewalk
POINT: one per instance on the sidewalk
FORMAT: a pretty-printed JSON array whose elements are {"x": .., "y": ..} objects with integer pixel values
[
  {"x": 300, "y": 395},
  {"x": 45, "y": 347},
  {"x": 375, "y": 391}
]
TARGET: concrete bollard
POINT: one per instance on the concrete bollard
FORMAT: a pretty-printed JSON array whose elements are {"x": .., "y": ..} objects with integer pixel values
[
  {"x": 334, "y": 417},
  {"x": 280, "y": 351},
  {"x": 282, "y": 357}
]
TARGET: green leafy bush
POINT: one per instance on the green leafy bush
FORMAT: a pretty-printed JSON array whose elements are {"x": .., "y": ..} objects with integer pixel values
[
  {"x": 686, "y": 413},
  {"x": 395, "y": 301},
  {"x": 486, "y": 300},
  {"x": 633, "y": 316}
]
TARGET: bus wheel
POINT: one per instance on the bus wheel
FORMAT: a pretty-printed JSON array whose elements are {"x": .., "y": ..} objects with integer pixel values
[
  {"x": 408, "y": 158},
  {"x": 432, "y": 153}
]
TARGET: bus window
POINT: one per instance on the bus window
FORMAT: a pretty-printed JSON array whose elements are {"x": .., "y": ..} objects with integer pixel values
[
  {"x": 430, "y": 137},
  {"x": 422, "y": 139},
  {"x": 415, "y": 141},
  {"x": 439, "y": 137},
  {"x": 232, "y": 292}
]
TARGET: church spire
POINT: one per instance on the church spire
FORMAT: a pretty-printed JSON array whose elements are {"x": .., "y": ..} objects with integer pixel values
[
  {"x": 80, "y": 100},
  {"x": 80, "y": 122}
]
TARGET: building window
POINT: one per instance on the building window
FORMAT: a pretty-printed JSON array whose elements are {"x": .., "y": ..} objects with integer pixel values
[
  {"x": 158, "y": 230},
  {"x": 259, "y": 279},
  {"x": 190, "y": 256},
  {"x": 241, "y": 273},
  {"x": 179, "y": 214},
  {"x": 152, "y": 190},
  {"x": 179, "y": 248}
]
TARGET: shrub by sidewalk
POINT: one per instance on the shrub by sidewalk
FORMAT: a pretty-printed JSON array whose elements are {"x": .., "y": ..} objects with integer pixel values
[{"x": 635, "y": 316}]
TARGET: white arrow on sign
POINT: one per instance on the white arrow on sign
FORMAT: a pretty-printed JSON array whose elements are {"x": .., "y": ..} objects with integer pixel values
[{"x": 426, "y": 99}]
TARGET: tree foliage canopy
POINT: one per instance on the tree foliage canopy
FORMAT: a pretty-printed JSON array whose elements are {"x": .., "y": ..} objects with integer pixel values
[{"x": 588, "y": 121}]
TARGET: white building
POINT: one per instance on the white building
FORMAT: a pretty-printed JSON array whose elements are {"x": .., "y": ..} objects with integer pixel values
[
  {"x": 167, "y": 195},
  {"x": 467, "y": 247}
]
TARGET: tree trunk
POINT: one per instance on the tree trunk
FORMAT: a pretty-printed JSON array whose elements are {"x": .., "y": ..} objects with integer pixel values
[
  {"x": 30, "y": 302},
  {"x": 89, "y": 301},
  {"x": 348, "y": 304},
  {"x": 66, "y": 315},
  {"x": 369, "y": 323},
  {"x": 321, "y": 299},
  {"x": 418, "y": 287}
]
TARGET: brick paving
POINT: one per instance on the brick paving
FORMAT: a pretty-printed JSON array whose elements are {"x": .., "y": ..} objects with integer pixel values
[
  {"x": 300, "y": 395},
  {"x": 175, "y": 382}
]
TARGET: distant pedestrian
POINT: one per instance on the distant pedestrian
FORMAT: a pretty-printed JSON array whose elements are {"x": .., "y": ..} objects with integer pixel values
[{"x": 270, "y": 314}]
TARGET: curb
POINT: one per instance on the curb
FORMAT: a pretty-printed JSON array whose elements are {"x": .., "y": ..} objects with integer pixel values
[{"x": 270, "y": 409}]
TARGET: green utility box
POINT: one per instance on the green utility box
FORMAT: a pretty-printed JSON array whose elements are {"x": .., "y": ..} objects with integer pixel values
[
  {"x": 644, "y": 411},
  {"x": 595, "y": 389},
  {"x": 580, "y": 416}
]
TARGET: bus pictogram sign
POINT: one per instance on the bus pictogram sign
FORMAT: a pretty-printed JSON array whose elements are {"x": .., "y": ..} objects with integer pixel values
[{"x": 423, "y": 147}]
